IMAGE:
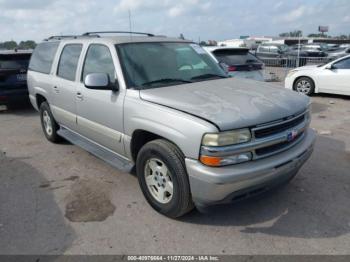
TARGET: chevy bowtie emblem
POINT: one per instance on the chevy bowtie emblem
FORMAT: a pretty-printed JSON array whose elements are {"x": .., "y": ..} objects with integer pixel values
[{"x": 291, "y": 136}]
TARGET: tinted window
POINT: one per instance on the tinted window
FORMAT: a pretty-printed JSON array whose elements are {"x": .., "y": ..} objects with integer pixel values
[
  {"x": 67, "y": 66},
  {"x": 235, "y": 57},
  {"x": 43, "y": 57},
  {"x": 343, "y": 64},
  {"x": 16, "y": 61},
  {"x": 99, "y": 60}
]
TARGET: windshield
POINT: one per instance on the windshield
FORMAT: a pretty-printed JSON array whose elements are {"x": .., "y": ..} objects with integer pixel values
[
  {"x": 149, "y": 65},
  {"x": 14, "y": 61},
  {"x": 235, "y": 57}
]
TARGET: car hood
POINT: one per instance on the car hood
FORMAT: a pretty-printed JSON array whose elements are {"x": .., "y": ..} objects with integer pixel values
[
  {"x": 309, "y": 67},
  {"x": 230, "y": 103}
]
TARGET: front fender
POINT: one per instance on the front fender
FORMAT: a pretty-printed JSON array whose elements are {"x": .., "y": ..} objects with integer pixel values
[{"x": 184, "y": 130}]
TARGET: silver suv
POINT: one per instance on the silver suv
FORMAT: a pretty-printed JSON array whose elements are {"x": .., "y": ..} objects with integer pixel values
[{"x": 196, "y": 137}]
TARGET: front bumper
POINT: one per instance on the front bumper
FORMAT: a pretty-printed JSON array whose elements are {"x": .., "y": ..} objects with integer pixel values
[
  {"x": 220, "y": 185},
  {"x": 288, "y": 82}
]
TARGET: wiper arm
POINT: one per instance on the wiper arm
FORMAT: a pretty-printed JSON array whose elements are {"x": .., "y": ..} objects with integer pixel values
[
  {"x": 207, "y": 76},
  {"x": 167, "y": 80}
]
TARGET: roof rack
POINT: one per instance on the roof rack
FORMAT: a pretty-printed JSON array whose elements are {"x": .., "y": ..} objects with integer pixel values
[
  {"x": 94, "y": 34},
  {"x": 60, "y": 37},
  {"x": 115, "y": 32}
]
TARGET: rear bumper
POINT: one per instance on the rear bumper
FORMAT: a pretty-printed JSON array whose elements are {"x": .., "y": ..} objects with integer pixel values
[
  {"x": 221, "y": 185},
  {"x": 9, "y": 96}
]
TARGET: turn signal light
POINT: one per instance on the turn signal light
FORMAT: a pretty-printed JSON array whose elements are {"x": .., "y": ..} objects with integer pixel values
[{"x": 211, "y": 160}]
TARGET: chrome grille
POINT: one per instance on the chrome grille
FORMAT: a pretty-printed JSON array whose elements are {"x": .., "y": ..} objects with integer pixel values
[
  {"x": 281, "y": 135},
  {"x": 278, "y": 127}
]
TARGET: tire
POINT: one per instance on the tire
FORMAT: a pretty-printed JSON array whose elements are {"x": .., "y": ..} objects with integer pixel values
[
  {"x": 47, "y": 119},
  {"x": 155, "y": 154},
  {"x": 304, "y": 85}
]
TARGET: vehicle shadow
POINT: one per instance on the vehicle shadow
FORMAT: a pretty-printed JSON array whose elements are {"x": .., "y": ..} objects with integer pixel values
[
  {"x": 311, "y": 206},
  {"x": 22, "y": 109},
  {"x": 31, "y": 222},
  {"x": 331, "y": 96}
]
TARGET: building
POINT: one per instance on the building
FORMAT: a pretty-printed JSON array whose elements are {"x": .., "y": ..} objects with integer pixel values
[{"x": 253, "y": 42}]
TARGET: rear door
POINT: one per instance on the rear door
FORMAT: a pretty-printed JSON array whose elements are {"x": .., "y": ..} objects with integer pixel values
[
  {"x": 100, "y": 112},
  {"x": 65, "y": 86}
]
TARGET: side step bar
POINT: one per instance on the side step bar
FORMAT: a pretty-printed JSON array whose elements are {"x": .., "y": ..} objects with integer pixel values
[{"x": 103, "y": 153}]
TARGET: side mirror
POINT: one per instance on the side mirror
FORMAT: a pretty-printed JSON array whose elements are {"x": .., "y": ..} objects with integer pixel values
[
  {"x": 331, "y": 67},
  {"x": 100, "y": 81}
]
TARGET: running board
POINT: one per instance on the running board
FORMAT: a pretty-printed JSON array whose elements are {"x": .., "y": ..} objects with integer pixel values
[{"x": 108, "y": 156}]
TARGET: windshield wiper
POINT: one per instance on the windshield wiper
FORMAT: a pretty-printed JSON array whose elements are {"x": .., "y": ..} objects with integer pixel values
[
  {"x": 167, "y": 80},
  {"x": 207, "y": 76}
]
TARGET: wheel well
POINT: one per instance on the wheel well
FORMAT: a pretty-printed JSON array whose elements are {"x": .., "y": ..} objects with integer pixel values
[
  {"x": 39, "y": 100},
  {"x": 296, "y": 79},
  {"x": 139, "y": 139}
]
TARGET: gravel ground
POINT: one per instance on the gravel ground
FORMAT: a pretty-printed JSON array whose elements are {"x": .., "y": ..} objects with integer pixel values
[{"x": 58, "y": 199}]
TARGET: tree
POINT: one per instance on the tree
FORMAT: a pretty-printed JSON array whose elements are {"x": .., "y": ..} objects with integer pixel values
[
  {"x": 319, "y": 35},
  {"x": 29, "y": 44},
  {"x": 9, "y": 45},
  {"x": 295, "y": 33}
]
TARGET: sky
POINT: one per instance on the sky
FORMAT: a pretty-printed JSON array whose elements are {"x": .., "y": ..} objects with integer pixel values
[{"x": 196, "y": 19}]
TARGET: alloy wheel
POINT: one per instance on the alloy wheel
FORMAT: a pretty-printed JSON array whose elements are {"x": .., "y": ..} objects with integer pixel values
[{"x": 158, "y": 180}]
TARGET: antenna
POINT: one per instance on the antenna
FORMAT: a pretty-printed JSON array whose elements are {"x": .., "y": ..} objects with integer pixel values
[{"x": 130, "y": 27}]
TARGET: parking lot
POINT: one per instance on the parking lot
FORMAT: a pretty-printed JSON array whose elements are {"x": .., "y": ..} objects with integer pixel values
[{"x": 60, "y": 199}]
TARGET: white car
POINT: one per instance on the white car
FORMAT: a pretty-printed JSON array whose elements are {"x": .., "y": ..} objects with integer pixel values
[{"x": 333, "y": 78}]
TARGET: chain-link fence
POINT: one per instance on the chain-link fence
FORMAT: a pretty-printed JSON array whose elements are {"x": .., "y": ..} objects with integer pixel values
[{"x": 276, "y": 69}]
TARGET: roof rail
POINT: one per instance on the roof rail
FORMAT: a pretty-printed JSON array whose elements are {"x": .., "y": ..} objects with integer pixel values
[
  {"x": 115, "y": 32},
  {"x": 60, "y": 37}
]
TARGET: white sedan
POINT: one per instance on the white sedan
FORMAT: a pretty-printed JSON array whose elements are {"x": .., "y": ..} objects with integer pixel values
[{"x": 333, "y": 78}]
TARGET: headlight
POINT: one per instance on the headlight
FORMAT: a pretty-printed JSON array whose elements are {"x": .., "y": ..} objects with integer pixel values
[{"x": 227, "y": 138}]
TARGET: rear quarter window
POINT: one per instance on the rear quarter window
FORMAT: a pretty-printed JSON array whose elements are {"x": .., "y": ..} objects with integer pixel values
[{"x": 43, "y": 56}]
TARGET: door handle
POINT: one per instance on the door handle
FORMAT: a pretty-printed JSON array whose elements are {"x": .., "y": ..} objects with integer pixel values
[{"x": 80, "y": 96}]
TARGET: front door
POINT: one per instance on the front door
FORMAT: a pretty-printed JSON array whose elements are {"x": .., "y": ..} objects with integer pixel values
[
  {"x": 337, "y": 79},
  {"x": 100, "y": 112}
]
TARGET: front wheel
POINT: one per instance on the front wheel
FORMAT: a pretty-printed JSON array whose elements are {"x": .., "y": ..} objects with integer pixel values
[
  {"x": 304, "y": 85},
  {"x": 163, "y": 178},
  {"x": 48, "y": 123}
]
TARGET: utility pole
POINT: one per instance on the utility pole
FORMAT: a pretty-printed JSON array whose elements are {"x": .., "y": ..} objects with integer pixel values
[{"x": 298, "y": 57}]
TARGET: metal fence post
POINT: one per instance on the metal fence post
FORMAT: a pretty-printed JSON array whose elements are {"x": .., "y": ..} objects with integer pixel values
[{"x": 298, "y": 56}]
